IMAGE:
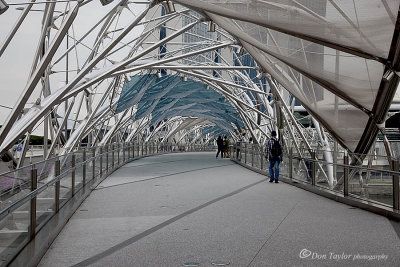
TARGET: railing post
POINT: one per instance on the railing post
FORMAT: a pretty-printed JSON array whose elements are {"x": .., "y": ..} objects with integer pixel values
[
  {"x": 101, "y": 161},
  {"x": 261, "y": 158},
  {"x": 346, "y": 175},
  {"x": 84, "y": 167},
  {"x": 142, "y": 150},
  {"x": 118, "y": 148},
  {"x": 396, "y": 200},
  {"x": 313, "y": 169},
  {"x": 123, "y": 152},
  {"x": 245, "y": 153},
  {"x": 112, "y": 156},
  {"x": 32, "y": 227},
  {"x": 93, "y": 163},
  {"x": 129, "y": 151},
  {"x": 58, "y": 185},
  {"x": 291, "y": 163},
  {"x": 133, "y": 150},
  {"x": 73, "y": 161},
  {"x": 252, "y": 155},
  {"x": 107, "y": 152}
]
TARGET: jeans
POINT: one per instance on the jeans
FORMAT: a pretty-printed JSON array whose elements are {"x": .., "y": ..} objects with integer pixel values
[{"x": 274, "y": 162}]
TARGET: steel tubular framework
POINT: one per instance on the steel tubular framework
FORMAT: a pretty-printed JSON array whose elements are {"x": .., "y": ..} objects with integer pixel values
[{"x": 81, "y": 67}]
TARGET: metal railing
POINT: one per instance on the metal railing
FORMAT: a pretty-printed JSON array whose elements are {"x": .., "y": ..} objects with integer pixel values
[
  {"x": 376, "y": 184},
  {"x": 32, "y": 195}
]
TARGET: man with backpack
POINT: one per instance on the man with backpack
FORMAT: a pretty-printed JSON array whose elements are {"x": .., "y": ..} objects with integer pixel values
[
  {"x": 273, "y": 153},
  {"x": 219, "y": 146}
]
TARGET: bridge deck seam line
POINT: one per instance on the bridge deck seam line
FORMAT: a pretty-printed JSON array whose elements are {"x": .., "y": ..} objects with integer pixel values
[
  {"x": 270, "y": 236},
  {"x": 128, "y": 167},
  {"x": 161, "y": 176},
  {"x": 137, "y": 237}
]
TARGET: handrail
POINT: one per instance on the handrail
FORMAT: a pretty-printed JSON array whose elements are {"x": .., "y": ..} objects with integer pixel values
[
  {"x": 115, "y": 155},
  {"x": 346, "y": 171},
  {"x": 348, "y": 165}
]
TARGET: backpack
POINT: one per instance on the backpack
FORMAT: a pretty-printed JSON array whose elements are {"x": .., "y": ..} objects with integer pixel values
[{"x": 276, "y": 149}]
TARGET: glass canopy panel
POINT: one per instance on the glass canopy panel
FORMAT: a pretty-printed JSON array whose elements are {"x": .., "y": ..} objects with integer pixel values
[
  {"x": 170, "y": 96},
  {"x": 214, "y": 129},
  {"x": 348, "y": 24},
  {"x": 341, "y": 119},
  {"x": 354, "y": 78}
]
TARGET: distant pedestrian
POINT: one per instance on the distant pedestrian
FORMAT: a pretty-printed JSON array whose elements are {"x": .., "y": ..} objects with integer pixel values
[
  {"x": 273, "y": 152},
  {"x": 226, "y": 147},
  {"x": 243, "y": 140},
  {"x": 220, "y": 147}
]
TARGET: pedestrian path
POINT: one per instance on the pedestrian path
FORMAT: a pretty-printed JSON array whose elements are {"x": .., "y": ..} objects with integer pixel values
[{"x": 191, "y": 209}]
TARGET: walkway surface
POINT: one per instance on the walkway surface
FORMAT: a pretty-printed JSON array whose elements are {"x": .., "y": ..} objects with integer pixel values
[{"x": 176, "y": 209}]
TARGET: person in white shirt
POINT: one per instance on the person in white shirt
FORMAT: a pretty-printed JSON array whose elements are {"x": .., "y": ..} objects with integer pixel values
[{"x": 244, "y": 139}]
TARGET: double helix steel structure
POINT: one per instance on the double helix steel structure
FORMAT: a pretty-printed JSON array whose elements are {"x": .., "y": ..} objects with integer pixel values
[{"x": 86, "y": 74}]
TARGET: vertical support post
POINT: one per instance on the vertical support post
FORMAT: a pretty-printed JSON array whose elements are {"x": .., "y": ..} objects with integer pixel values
[
  {"x": 32, "y": 227},
  {"x": 346, "y": 176},
  {"x": 133, "y": 150},
  {"x": 84, "y": 167},
  {"x": 93, "y": 163},
  {"x": 252, "y": 155},
  {"x": 261, "y": 158},
  {"x": 396, "y": 200},
  {"x": 118, "y": 148},
  {"x": 245, "y": 153},
  {"x": 101, "y": 161},
  {"x": 313, "y": 169},
  {"x": 142, "y": 149},
  {"x": 129, "y": 151},
  {"x": 113, "y": 156},
  {"x": 107, "y": 150},
  {"x": 58, "y": 185},
  {"x": 73, "y": 161},
  {"x": 123, "y": 152},
  {"x": 291, "y": 163}
]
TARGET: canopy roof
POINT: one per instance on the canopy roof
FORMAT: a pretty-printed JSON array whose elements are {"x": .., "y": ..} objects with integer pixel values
[
  {"x": 340, "y": 59},
  {"x": 171, "y": 96},
  {"x": 328, "y": 54}
]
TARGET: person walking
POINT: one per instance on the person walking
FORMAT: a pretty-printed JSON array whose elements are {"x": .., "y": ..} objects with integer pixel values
[
  {"x": 226, "y": 147},
  {"x": 273, "y": 152},
  {"x": 220, "y": 147},
  {"x": 239, "y": 145}
]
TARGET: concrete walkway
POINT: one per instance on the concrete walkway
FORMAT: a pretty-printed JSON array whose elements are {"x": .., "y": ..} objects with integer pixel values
[{"x": 177, "y": 209}]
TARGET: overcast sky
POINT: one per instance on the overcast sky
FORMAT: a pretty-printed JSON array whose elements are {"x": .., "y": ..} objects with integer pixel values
[{"x": 16, "y": 62}]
